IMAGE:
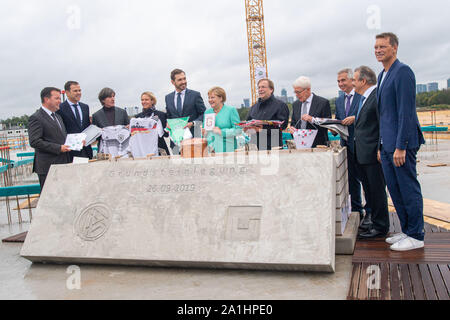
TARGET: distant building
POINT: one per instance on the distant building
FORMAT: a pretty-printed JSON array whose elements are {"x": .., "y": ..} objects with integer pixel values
[
  {"x": 283, "y": 98},
  {"x": 341, "y": 93},
  {"x": 433, "y": 86},
  {"x": 291, "y": 100},
  {"x": 284, "y": 93},
  {"x": 421, "y": 88},
  {"x": 448, "y": 84},
  {"x": 247, "y": 103}
]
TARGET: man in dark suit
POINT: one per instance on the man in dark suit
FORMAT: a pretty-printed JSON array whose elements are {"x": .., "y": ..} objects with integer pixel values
[
  {"x": 75, "y": 116},
  {"x": 184, "y": 103},
  {"x": 268, "y": 108},
  {"x": 109, "y": 115},
  {"x": 307, "y": 107},
  {"x": 367, "y": 135},
  {"x": 346, "y": 109},
  {"x": 47, "y": 134},
  {"x": 401, "y": 137}
]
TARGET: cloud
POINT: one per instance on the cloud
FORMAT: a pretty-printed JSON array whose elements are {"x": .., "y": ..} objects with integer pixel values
[{"x": 131, "y": 46}]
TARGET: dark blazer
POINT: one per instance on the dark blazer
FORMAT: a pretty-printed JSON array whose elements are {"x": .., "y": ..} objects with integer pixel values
[
  {"x": 46, "y": 137},
  {"x": 193, "y": 106},
  {"x": 340, "y": 115},
  {"x": 270, "y": 109},
  {"x": 399, "y": 125},
  {"x": 320, "y": 108},
  {"x": 73, "y": 126},
  {"x": 367, "y": 132},
  {"x": 100, "y": 120}
]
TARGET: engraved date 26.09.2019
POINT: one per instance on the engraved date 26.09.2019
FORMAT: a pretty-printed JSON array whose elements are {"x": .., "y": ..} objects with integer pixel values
[{"x": 171, "y": 188}]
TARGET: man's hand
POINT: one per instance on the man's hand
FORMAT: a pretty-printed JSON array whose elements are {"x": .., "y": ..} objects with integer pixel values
[
  {"x": 189, "y": 125},
  {"x": 379, "y": 156},
  {"x": 349, "y": 121},
  {"x": 399, "y": 158},
  {"x": 65, "y": 149},
  {"x": 292, "y": 130},
  {"x": 307, "y": 117}
]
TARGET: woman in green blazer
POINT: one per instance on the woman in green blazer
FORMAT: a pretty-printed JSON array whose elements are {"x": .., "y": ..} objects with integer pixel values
[{"x": 223, "y": 137}]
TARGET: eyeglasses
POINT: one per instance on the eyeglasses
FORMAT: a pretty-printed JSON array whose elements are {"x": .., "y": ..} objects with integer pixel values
[{"x": 300, "y": 92}]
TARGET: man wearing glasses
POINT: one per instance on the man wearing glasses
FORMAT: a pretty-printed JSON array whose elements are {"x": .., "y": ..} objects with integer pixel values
[
  {"x": 307, "y": 107},
  {"x": 269, "y": 108}
]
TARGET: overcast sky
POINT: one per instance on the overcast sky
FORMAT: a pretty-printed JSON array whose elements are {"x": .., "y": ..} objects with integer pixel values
[{"x": 131, "y": 46}]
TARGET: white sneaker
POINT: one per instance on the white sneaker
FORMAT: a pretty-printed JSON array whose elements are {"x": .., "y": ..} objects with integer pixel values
[
  {"x": 396, "y": 238},
  {"x": 407, "y": 244}
]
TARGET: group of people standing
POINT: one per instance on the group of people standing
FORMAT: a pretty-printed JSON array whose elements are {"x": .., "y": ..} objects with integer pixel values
[{"x": 384, "y": 132}]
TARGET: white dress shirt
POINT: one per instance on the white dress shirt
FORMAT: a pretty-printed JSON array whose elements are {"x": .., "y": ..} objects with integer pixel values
[
  {"x": 183, "y": 95},
  {"x": 76, "y": 105},
  {"x": 352, "y": 94},
  {"x": 50, "y": 115}
]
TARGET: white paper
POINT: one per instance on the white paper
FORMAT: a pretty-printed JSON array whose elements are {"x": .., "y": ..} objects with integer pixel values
[
  {"x": 79, "y": 160},
  {"x": 210, "y": 121},
  {"x": 75, "y": 141},
  {"x": 304, "y": 138},
  {"x": 187, "y": 134}
]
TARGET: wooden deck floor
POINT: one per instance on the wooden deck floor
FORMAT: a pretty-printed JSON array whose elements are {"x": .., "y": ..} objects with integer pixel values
[{"x": 382, "y": 274}]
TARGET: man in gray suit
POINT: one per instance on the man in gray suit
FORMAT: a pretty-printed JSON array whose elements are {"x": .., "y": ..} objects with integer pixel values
[
  {"x": 47, "y": 134},
  {"x": 183, "y": 102}
]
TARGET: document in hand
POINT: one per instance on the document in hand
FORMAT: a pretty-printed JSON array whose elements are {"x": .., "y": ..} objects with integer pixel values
[
  {"x": 304, "y": 138},
  {"x": 335, "y": 125},
  {"x": 75, "y": 141},
  {"x": 92, "y": 133}
]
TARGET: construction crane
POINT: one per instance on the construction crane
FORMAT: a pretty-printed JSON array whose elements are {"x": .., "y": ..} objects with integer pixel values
[{"x": 256, "y": 44}]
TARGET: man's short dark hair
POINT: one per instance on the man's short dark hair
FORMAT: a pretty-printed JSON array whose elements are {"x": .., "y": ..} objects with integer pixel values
[
  {"x": 69, "y": 84},
  {"x": 176, "y": 72},
  {"x": 393, "y": 39},
  {"x": 47, "y": 93},
  {"x": 105, "y": 93}
]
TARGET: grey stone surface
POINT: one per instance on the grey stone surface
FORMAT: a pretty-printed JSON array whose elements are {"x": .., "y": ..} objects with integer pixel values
[
  {"x": 257, "y": 211},
  {"x": 345, "y": 244}
]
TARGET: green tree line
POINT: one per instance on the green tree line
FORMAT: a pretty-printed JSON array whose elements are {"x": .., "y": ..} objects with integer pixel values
[
  {"x": 437, "y": 98},
  {"x": 16, "y": 122}
]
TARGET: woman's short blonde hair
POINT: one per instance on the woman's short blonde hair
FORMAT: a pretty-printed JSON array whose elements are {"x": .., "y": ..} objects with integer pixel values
[
  {"x": 151, "y": 96},
  {"x": 218, "y": 91}
]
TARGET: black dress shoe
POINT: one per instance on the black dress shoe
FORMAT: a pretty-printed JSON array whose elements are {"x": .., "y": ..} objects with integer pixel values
[
  {"x": 367, "y": 221},
  {"x": 371, "y": 234}
]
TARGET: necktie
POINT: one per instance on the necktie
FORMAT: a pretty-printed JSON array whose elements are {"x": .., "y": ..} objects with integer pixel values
[
  {"x": 56, "y": 120},
  {"x": 77, "y": 114},
  {"x": 349, "y": 105},
  {"x": 304, "y": 111},
  {"x": 360, "y": 106},
  {"x": 179, "y": 104}
]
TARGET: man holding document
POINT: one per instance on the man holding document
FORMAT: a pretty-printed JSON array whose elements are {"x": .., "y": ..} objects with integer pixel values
[
  {"x": 75, "y": 116},
  {"x": 47, "y": 134}
]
